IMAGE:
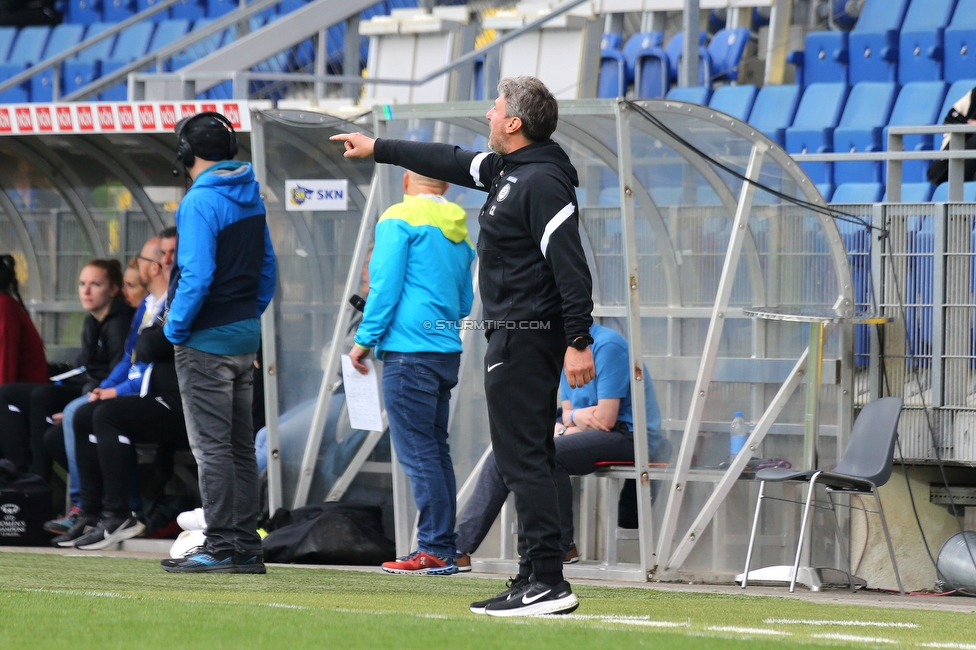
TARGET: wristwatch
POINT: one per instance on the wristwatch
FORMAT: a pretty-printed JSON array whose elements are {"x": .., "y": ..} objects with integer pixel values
[{"x": 581, "y": 342}]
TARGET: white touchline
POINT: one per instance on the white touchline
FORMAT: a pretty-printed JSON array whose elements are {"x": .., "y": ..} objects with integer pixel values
[
  {"x": 798, "y": 621},
  {"x": 949, "y": 646},
  {"x": 625, "y": 620},
  {"x": 747, "y": 630},
  {"x": 851, "y": 637}
]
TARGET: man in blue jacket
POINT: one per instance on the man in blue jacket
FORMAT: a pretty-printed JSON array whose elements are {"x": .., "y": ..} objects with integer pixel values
[
  {"x": 223, "y": 279},
  {"x": 419, "y": 288}
]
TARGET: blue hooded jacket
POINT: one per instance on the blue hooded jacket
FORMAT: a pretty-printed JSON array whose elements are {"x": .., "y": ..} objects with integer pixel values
[{"x": 224, "y": 274}]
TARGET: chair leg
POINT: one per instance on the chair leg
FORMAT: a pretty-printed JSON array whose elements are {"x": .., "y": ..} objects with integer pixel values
[
  {"x": 891, "y": 549},
  {"x": 752, "y": 536},
  {"x": 803, "y": 532},
  {"x": 610, "y": 530},
  {"x": 840, "y": 542}
]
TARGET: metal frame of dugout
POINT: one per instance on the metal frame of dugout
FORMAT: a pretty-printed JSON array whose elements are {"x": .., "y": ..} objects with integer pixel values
[{"x": 678, "y": 251}]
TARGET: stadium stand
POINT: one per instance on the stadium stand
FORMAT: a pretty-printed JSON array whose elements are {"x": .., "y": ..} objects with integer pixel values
[
  {"x": 874, "y": 41},
  {"x": 736, "y": 101},
  {"x": 960, "y": 42},
  {"x": 865, "y": 115},
  {"x": 62, "y": 37},
  {"x": 813, "y": 126},
  {"x": 26, "y": 51},
  {"x": 921, "y": 44}
]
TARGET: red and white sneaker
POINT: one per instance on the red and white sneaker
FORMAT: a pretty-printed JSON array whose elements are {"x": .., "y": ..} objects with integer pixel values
[{"x": 422, "y": 564}]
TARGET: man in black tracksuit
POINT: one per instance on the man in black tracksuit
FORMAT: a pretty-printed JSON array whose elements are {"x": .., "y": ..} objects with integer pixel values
[
  {"x": 962, "y": 112},
  {"x": 536, "y": 291}
]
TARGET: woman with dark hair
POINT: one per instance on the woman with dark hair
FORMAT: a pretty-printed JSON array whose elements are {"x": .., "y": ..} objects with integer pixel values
[
  {"x": 21, "y": 349},
  {"x": 26, "y": 408}
]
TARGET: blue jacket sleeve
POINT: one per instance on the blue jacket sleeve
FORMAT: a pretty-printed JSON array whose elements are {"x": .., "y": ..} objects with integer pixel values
[
  {"x": 386, "y": 273},
  {"x": 133, "y": 382},
  {"x": 268, "y": 274},
  {"x": 118, "y": 374},
  {"x": 121, "y": 369},
  {"x": 196, "y": 258},
  {"x": 467, "y": 291}
]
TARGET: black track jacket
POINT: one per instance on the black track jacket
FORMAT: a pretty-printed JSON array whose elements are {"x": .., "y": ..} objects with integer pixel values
[{"x": 531, "y": 260}]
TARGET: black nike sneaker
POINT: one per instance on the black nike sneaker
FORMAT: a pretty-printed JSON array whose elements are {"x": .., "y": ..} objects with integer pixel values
[
  {"x": 537, "y": 599},
  {"x": 515, "y": 586}
]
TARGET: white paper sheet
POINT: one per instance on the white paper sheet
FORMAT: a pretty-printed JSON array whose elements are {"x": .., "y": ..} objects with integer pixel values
[{"x": 362, "y": 396}]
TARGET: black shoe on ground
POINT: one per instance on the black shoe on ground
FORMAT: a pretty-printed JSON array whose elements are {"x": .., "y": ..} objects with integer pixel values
[
  {"x": 536, "y": 600},
  {"x": 84, "y": 523},
  {"x": 515, "y": 587},
  {"x": 202, "y": 560},
  {"x": 250, "y": 563},
  {"x": 109, "y": 531}
]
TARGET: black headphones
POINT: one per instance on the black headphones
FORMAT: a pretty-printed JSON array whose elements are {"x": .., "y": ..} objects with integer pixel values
[{"x": 184, "y": 152}]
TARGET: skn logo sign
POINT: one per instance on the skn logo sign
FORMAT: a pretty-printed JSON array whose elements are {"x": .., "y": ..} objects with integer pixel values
[
  {"x": 167, "y": 114},
  {"x": 24, "y": 121},
  {"x": 5, "y": 125},
  {"x": 44, "y": 121},
  {"x": 147, "y": 117},
  {"x": 126, "y": 119},
  {"x": 105, "y": 118},
  {"x": 64, "y": 118},
  {"x": 86, "y": 121},
  {"x": 317, "y": 195},
  {"x": 233, "y": 114}
]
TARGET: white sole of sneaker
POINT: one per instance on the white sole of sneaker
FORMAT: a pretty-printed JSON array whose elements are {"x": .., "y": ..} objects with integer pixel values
[
  {"x": 477, "y": 610},
  {"x": 116, "y": 537},
  {"x": 565, "y": 605},
  {"x": 422, "y": 572},
  {"x": 464, "y": 569}
]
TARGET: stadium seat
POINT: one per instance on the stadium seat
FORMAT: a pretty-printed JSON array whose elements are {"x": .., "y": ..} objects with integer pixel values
[
  {"x": 874, "y": 41},
  {"x": 826, "y": 191},
  {"x": 86, "y": 66},
  {"x": 191, "y": 10},
  {"x": 142, "y": 5},
  {"x": 131, "y": 44},
  {"x": 216, "y": 8},
  {"x": 736, "y": 101},
  {"x": 7, "y": 37},
  {"x": 620, "y": 64},
  {"x": 63, "y": 36},
  {"x": 724, "y": 53},
  {"x": 612, "y": 79},
  {"x": 774, "y": 109},
  {"x": 83, "y": 12},
  {"x": 652, "y": 70},
  {"x": 917, "y": 105},
  {"x": 824, "y": 58},
  {"x": 960, "y": 43},
  {"x": 200, "y": 48},
  {"x": 27, "y": 50},
  {"x": 914, "y": 193},
  {"x": 818, "y": 114},
  {"x": 858, "y": 193},
  {"x": 941, "y": 193},
  {"x": 673, "y": 50},
  {"x": 690, "y": 94},
  {"x": 865, "y": 115},
  {"x": 921, "y": 43},
  {"x": 115, "y": 11}
]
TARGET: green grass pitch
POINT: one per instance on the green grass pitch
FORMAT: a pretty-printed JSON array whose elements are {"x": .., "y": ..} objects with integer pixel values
[{"x": 55, "y": 601}]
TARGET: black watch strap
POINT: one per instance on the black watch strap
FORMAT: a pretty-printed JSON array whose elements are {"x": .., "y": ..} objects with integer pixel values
[{"x": 581, "y": 342}]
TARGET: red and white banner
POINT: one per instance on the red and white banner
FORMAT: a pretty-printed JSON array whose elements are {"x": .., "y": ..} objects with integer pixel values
[{"x": 113, "y": 117}]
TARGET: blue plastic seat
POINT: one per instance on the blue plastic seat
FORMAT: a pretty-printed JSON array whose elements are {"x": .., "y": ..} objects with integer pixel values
[
  {"x": 83, "y": 12},
  {"x": 142, "y": 5},
  {"x": 674, "y": 49},
  {"x": 960, "y": 43},
  {"x": 191, "y": 10},
  {"x": 28, "y": 49},
  {"x": 774, "y": 109},
  {"x": 115, "y": 11},
  {"x": 652, "y": 68},
  {"x": 200, "y": 48},
  {"x": 217, "y": 8},
  {"x": 617, "y": 66},
  {"x": 63, "y": 36},
  {"x": 7, "y": 37},
  {"x": 826, "y": 191},
  {"x": 736, "y": 101},
  {"x": 865, "y": 115},
  {"x": 131, "y": 44},
  {"x": 724, "y": 53},
  {"x": 690, "y": 94},
  {"x": 874, "y": 41},
  {"x": 858, "y": 193},
  {"x": 824, "y": 58},
  {"x": 941, "y": 193},
  {"x": 914, "y": 193},
  {"x": 921, "y": 46},
  {"x": 813, "y": 127},
  {"x": 86, "y": 66},
  {"x": 917, "y": 105}
]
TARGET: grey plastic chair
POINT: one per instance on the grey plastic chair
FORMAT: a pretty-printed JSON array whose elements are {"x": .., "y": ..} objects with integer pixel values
[{"x": 865, "y": 466}]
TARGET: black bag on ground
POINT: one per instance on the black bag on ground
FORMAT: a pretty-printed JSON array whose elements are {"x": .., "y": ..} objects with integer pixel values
[
  {"x": 329, "y": 533},
  {"x": 25, "y": 504}
]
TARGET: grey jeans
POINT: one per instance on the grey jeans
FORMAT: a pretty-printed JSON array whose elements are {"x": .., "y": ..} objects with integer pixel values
[{"x": 216, "y": 391}]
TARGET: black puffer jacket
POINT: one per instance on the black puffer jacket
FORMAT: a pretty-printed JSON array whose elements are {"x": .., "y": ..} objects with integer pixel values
[
  {"x": 103, "y": 343},
  {"x": 531, "y": 260}
]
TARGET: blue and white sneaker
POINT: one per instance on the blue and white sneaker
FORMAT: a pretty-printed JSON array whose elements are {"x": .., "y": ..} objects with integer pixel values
[{"x": 202, "y": 561}]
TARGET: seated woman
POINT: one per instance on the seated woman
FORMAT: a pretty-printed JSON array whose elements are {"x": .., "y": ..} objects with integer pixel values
[
  {"x": 21, "y": 350},
  {"x": 106, "y": 432},
  {"x": 597, "y": 425},
  {"x": 26, "y": 408}
]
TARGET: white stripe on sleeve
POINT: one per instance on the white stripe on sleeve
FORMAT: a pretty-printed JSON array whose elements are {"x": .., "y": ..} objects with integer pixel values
[
  {"x": 554, "y": 223},
  {"x": 475, "y": 170}
]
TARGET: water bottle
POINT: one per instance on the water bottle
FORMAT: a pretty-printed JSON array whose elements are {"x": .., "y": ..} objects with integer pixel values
[{"x": 738, "y": 436}]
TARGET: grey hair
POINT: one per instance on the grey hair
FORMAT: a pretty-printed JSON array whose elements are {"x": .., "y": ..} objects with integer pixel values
[{"x": 528, "y": 99}]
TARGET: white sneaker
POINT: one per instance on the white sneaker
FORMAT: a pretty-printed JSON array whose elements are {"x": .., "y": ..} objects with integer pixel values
[
  {"x": 189, "y": 540},
  {"x": 192, "y": 520}
]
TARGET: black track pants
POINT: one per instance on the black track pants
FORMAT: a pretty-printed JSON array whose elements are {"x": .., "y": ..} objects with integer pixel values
[{"x": 521, "y": 381}]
